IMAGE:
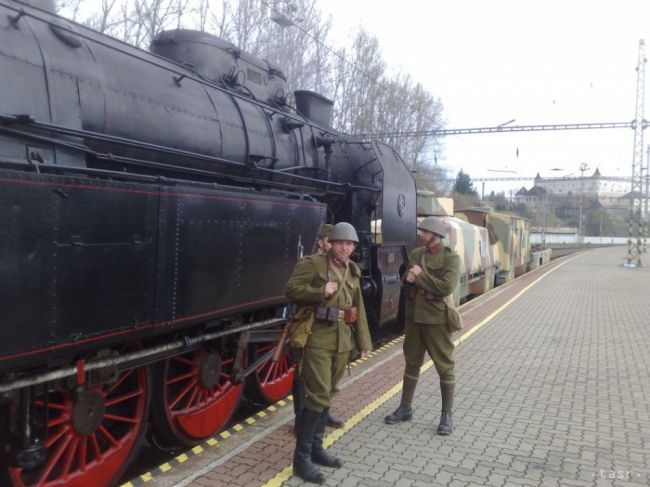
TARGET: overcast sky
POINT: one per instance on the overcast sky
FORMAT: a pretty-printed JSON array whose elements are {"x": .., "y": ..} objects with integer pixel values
[{"x": 539, "y": 62}]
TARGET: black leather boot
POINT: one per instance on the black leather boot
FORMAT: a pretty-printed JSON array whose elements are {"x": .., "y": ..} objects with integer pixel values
[
  {"x": 403, "y": 413},
  {"x": 303, "y": 467},
  {"x": 318, "y": 453},
  {"x": 446, "y": 426},
  {"x": 298, "y": 393},
  {"x": 333, "y": 422}
]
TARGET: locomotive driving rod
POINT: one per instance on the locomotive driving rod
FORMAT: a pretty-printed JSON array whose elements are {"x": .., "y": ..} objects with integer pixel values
[{"x": 182, "y": 344}]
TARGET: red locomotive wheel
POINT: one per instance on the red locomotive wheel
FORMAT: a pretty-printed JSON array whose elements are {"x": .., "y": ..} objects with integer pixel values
[
  {"x": 197, "y": 396},
  {"x": 92, "y": 435},
  {"x": 273, "y": 380}
]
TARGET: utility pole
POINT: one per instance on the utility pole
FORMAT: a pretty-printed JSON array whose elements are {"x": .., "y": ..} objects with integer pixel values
[
  {"x": 545, "y": 213},
  {"x": 646, "y": 196},
  {"x": 635, "y": 227},
  {"x": 583, "y": 168}
]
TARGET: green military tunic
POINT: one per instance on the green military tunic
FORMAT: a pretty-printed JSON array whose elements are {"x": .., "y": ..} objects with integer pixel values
[
  {"x": 426, "y": 319},
  {"x": 329, "y": 345}
]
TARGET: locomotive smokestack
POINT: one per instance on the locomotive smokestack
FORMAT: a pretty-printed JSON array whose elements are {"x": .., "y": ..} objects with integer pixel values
[{"x": 314, "y": 107}]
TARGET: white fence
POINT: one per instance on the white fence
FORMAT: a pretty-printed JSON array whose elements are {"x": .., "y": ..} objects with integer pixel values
[{"x": 572, "y": 238}]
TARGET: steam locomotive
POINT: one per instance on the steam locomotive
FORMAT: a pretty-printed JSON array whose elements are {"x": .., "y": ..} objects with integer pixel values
[{"x": 153, "y": 207}]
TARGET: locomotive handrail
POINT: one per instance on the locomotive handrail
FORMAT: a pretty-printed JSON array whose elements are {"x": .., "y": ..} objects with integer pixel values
[
  {"x": 136, "y": 162},
  {"x": 30, "y": 122},
  {"x": 141, "y": 357},
  {"x": 185, "y": 70}
]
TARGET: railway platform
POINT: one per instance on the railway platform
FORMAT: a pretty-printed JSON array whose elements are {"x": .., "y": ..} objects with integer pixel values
[{"x": 553, "y": 388}]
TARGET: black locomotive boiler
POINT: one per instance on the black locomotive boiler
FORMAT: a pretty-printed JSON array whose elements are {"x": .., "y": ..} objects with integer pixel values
[{"x": 152, "y": 207}]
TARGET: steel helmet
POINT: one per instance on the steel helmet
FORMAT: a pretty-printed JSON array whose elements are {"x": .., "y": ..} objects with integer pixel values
[
  {"x": 344, "y": 231},
  {"x": 325, "y": 230},
  {"x": 433, "y": 224}
]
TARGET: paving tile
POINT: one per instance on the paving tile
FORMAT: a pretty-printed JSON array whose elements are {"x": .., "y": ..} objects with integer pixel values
[{"x": 550, "y": 392}]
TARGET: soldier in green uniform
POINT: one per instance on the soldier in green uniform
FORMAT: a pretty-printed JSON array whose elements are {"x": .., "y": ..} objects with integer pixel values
[
  {"x": 329, "y": 286},
  {"x": 433, "y": 275},
  {"x": 298, "y": 390}
]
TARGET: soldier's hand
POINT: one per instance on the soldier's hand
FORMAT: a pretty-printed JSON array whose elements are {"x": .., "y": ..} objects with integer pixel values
[
  {"x": 364, "y": 353},
  {"x": 410, "y": 277},
  {"x": 415, "y": 270},
  {"x": 330, "y": 289}
]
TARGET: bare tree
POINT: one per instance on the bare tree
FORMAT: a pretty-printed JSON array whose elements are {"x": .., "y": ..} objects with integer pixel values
[
  {"x": 247, "y": 21},
  {"x": 358, "y": 72},
  {"x": 70, "y": 7},
  {"x": 103, "y": 20},
  {"x": 297, "y": 44},
  {"x": 153, "y": 16}
]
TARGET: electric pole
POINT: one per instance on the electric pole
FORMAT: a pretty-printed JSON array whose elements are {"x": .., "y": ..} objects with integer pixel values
[
  {"x": 583, "y": 168},
  {"x": 635, "y": 223}
]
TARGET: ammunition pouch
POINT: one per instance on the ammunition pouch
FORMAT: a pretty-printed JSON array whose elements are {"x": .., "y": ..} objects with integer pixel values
[
  {"x": 331, "y": 315},
  {"x": 429, "y": 297},
  {"x": 327, "y": 314},
  {"x": 351, "y": 315}
]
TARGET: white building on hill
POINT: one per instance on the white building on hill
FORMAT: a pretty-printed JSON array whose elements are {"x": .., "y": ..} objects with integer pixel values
[{"x": 608, "y": 192}]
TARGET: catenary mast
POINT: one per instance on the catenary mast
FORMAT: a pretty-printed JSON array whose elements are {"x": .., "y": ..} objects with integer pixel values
[{"x": 635, "y": 221}]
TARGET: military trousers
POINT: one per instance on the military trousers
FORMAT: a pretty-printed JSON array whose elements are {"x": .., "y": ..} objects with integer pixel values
[
  {"x": 433, "y": 339},
  {"x": 321, "y": 372}
]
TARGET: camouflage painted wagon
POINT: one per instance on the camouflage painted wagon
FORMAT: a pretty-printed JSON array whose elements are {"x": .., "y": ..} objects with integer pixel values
[
  {"x": 509, "y": 237},
  {"x": 470, "y": 242}
]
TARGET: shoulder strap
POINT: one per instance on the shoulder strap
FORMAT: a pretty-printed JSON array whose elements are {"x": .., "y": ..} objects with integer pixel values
[
  {"x": 345, "y": 276},
  {"x": 422, "y": 254}
]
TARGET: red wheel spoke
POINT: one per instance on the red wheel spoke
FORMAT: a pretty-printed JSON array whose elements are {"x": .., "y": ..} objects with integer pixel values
[
  {"x": 107, "y": 435},
  {"x": 184, "y": 360},
  {"x": 83, "y": 451},
  {"x": 119, "y": 381},
  {"x": 54, "y": 405},
  {"x": 69, "y": 456},
  {"x": 57, "y": 421},
  {"x": 95, "y": 444},
  {"x": 222, "y": 387},
  {"x": 56, "y": 436},
  {"x": 190, "y": 401},
  {"x": 120, "y": 419},
  {"x": 124, "y": 397},
  {"x": 54, "y": 460},
  {"x": 182, "y": 394},
  {"x": 273, "y": 377},
  {"x": 228, "y": 361},
  {"x": 179, "y": 378},
  {"x": 203, "y": 395}
]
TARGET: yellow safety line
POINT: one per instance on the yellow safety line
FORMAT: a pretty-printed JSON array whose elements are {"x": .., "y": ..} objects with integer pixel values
[{"x": 286, "y": 473}]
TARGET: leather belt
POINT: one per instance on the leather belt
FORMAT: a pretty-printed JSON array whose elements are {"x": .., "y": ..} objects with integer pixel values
[
  {"x": 332, "y": 315},
  {"x": 428, "y": 295}
]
